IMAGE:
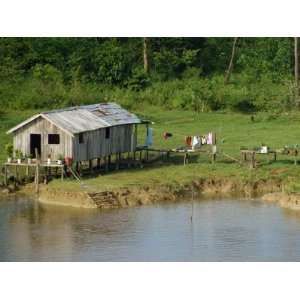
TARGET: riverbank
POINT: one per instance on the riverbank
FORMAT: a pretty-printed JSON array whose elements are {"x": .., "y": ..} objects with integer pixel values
[
  {"x": 162, "y": 179},
  {"x": 145, "y": 195},
  {"x": 266, "y": 190},
  {"x": 269, "y": 190}
]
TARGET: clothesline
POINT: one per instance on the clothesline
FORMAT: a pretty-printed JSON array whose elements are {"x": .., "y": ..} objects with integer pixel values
[{"x": 193, "y": 141}]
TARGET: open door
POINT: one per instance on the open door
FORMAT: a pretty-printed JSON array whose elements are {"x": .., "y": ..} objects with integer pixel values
[{"x": 35, "y": 143}]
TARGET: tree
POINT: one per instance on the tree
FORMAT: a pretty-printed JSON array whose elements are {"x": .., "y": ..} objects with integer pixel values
[
  {"x": 230, "y": 66},
  {"x": 296, "y": 69},
  {"x": 145, "y": 53}
]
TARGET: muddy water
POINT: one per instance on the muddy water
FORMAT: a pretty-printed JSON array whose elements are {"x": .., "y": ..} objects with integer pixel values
[{"x": 222, "y": 230}]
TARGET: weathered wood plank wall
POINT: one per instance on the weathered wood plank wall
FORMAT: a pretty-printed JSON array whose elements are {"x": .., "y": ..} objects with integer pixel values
[
  {"x": 96, "y": 145},
  {"x": 21, "y": 139},
  {"x": 123, "y": 138}
]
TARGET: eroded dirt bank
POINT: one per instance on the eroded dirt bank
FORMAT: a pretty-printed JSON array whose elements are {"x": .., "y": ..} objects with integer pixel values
[
  {"x": 134, "y": 196},
  {"x": 286, "y": 200}
]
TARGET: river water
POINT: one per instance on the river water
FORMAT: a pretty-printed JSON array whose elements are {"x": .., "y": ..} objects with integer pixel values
[{"x": 221, "y": 230}]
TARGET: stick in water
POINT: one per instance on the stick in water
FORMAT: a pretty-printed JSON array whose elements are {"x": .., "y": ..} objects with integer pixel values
[{"x": 192, "y": 204}]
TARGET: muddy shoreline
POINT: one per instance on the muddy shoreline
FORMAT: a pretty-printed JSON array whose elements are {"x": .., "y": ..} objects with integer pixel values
[{"x": 267, "y": 190}]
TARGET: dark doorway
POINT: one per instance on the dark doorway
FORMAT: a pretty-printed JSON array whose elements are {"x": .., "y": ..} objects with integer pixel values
[{"x": 35, "y": 143}]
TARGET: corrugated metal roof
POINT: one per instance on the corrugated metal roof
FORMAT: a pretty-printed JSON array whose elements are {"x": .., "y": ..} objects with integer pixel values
[
  {"x": 86, "y": 117},
  {"x": 112, "y": 113}
]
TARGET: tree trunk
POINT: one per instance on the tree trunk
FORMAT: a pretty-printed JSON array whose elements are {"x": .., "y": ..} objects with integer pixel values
[
  {"x": 296, "y": 68},
  {"x": 230, "y": 66},
  {"x": 145, "y": 53}
]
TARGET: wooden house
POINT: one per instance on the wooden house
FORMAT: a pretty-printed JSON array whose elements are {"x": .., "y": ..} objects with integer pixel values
[{"x": 82, "y": 133}]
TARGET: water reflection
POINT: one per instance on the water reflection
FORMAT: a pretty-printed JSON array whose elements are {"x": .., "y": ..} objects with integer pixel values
[{"x": 222, "y": 230}]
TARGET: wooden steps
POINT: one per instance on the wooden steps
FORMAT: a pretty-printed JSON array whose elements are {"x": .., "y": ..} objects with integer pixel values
[{"x": 104, "y": 199}]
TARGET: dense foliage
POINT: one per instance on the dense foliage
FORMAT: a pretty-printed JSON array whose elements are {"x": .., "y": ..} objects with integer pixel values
[{"x": 185, "y": 73}]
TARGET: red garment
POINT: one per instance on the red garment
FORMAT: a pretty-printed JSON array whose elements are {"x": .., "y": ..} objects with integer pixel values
[
  {"x": 188, "y": 140},
  {"x": 167, "y": 135}
]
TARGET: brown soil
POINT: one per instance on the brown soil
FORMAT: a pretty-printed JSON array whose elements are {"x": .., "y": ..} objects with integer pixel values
[
  {"x": 267, "y": 190},
  {"x": 134, "y": 196},
  {"x": 285, "y": 200}
]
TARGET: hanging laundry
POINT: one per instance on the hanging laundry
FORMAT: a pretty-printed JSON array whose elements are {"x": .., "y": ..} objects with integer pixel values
[
  {"x": 196, "y": 142},
  {"x": 203, "y": 140},
  {"x": 149, "y": 138},
  {"x": 209, "y": 138},
  {"x": 188, "y": 140},
  {"x": 167, "y": 135}
]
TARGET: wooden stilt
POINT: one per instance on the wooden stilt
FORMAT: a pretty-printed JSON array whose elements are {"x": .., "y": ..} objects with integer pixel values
[
  {"x": 37, "y": 178},
  {"x": 106, "y": 163},
  {"x": 118, "y": 158},
  {"x": 168, "y": 155},
  {"x": 5, "y": 175},
  {"x": 109, "y": 162},
  {"x": 141, "y": 155},
  {"x": 253, "y": 160},
  {"x": 91, "y": 166},
  {"x": 46, "y": 175},
  {"x": 80, "y": 168},
  {"x": 62, "y": 173},
  {"x": 98, "y": 163},
  {"x": 213, "y": 153},
  {"x": 129, "y": 159},
  {"x": 16, "y": 174},
  {"x": 116, "y": 163}
]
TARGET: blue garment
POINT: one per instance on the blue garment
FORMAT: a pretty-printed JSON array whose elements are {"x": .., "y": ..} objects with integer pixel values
[{"x": 149, "y": 138}]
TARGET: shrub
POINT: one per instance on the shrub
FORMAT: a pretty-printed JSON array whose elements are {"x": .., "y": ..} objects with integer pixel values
[
  {"x": 9, "y": 149},
  {"x": 139, "y": 80}
]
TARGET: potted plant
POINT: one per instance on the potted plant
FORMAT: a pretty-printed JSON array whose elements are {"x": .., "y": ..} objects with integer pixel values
[
  {"x": 19, "y": 155},
  {"x": 9, "y": 151},
  {"x": 49, "y": 159},
  {"x": 264, "y": 148},
  {"x": 60, "y": 159},
  {"x": 29, "y": 159}
]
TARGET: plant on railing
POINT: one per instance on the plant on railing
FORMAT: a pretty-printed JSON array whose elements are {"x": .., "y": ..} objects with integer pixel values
[
  {"x": 19, "y": 155},
  {"x": 29, "y": 158},
  {"x": 9, "y": 148},
  {"x": 60, "y": 159}
]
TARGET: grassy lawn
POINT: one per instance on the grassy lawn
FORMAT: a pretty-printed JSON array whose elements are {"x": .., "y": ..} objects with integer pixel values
[{"x": 233, "y": 131}]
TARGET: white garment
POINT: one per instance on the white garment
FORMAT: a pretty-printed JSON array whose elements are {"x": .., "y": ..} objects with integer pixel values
[{"x": 196, "y": 142}]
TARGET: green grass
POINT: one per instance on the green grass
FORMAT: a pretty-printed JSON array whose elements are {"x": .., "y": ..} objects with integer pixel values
[{"x": 233, "y": 131}]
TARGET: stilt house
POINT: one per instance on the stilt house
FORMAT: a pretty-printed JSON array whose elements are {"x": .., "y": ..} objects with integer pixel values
[{"x": 82, "y": 133}]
